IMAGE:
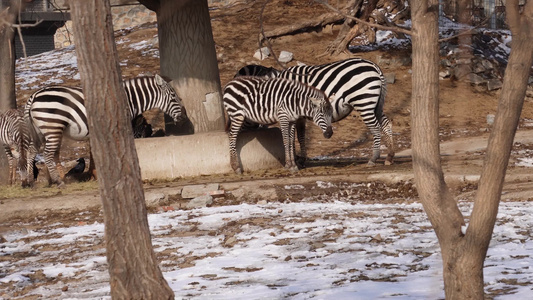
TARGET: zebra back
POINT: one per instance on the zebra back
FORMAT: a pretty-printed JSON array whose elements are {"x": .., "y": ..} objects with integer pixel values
[
  {"x": 257, "y": 70},
  {"x": 355, "y": 81},
  {"x": 260, "y": 99},
  {"x": 54, "y": 108},
  {"x": 145, "y": 93}
]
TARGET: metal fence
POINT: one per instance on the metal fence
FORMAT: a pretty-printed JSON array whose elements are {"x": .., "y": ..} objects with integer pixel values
[{"x": 487, "y": 13}]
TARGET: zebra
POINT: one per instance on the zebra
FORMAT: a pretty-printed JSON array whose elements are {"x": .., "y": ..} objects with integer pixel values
[
  {"x": 257, "y": 70},
  {"x": 11, "y": 135},
  {"x": 270, "y": 100},
  {"x": 353, "y": 83},
  {"x": 55, "y": 111}
]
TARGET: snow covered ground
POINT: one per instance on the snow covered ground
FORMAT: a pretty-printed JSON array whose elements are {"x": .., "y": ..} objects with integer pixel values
[{"x": 321, "y": 248}]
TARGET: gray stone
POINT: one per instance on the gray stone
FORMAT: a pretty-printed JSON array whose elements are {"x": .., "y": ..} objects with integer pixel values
[
  {"x": 494, "y": 84},
  {"x": 487, "y": 64},
  {"x": 201, "y": 201},
  {"x": 155, "y": 199},
  {"x": 193, "y": 191},
  {"x": 262, "y": 53},
  {"x": 461, "y": 71},
  {"x": 475, "y": 79},
  {"x": 490, "y": 119},
  {"x": 444, "y": 74},
  {"x": 285, "y": 56}
]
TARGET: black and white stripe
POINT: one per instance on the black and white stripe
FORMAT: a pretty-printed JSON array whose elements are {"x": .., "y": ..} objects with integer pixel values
[
  {"x": 56, "y": 111},
  {"x": 274, "y": 100},
  {"x": 257, "y": 70},
  {"x": 350, "y": 84},
  {"x": 11, "y": 136}
]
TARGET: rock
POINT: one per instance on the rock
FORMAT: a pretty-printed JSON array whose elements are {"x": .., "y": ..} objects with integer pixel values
[
  {"x": 487, "y": 64},
  {"x": 201, "y": 201},
  {"x": 490, "y": 119},
  {"x": 461, "y": 71},
  {"x": 155, "y": 199},
  {"x": 230, "y": 242},
  {"x": 445, "y": 74},
  {"x": 475, "y": 79},
  {"x": 285, "y": 56},
  {"x": 262, "y": 53},
  {"x": 193, "y": 191},
  {"x": 494, "y": 84}
]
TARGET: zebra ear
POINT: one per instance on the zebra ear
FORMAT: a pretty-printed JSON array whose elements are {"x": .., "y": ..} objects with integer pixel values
[
  {"x": 315, "y": 101},
  {"x": 159, "y": 80}
]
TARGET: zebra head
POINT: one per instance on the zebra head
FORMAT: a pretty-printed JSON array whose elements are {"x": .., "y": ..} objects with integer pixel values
[
  {"x": 322, "y": 114},
  {"x": 173, "y": 105}
]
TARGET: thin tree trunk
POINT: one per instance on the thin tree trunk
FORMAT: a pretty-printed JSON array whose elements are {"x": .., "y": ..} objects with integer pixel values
[
  {"x": 7, "y": 73},
  {"x": 133, "y": 267},
  {"x": 188, "y": 57},
  {"x": 434, "y": 194},
  {"x": 483, "y": 218}
]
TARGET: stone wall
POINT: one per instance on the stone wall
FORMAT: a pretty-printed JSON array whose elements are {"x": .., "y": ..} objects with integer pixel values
[{"x": 124, "y": 16}]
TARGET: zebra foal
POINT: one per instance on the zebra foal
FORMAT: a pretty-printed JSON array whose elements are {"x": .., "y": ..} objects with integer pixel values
[
  {"x": 267, "y": 101},
  {"x": 11, "y": 135},
  {"x": 56, "y": 111}
]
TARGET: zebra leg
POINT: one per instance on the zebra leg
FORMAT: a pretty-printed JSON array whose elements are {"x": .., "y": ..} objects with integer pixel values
[
  {"x": 287, "y": 132},
  {"x": 30, "y": 176},
  {"x": 386, "y": 131},
  {"x": 51, "y": 159},
  {"x": 10, "y": 161},
  {"x": 376, "y": 151},
  {"x": 235, "y": 127},
  {"x": 300, "y": 134}
]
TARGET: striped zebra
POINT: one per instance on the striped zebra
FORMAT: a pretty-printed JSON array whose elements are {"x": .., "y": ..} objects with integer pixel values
[
  {"x": 257, "y": 70},
  {"x": 55, "y": 111},
  {"x": 270, "y": 100},
  {"x": 11, "y": 135},
  {"x": 350, "y": 84}
]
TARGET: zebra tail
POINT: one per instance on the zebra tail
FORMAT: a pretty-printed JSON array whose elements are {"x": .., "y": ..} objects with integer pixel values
[{"x": 33, "y": 138}]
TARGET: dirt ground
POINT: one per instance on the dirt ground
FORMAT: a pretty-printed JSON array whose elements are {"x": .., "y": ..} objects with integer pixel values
[{"x": 463, "y": 113}]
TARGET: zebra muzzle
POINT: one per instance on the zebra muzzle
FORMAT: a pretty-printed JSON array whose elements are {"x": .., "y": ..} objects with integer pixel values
[{"x": 328, "y": 132}]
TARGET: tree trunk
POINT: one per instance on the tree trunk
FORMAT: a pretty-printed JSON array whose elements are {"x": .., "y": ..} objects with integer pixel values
[
  {"x": 434, "y": 194},
  {"x": 7, "y": 73},
  {"x": 188, "y": 57},
  {"x": 463, "y": 255},
  {"x": 133, "y": 267}
]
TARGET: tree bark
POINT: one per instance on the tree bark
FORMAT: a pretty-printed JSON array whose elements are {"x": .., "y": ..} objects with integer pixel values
[
  {"x": 7, "y": 57},
  {"x": 7, "y": 72},
  {"x": 188, "y": 57},
  {"x": 133, "y": 267}
]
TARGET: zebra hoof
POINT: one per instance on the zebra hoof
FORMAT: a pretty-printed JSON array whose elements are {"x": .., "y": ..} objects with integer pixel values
[
  {"x": 388, "y": 162},
  {"x": 293, "y": 169},
  {"x": 238, "y": 171}
]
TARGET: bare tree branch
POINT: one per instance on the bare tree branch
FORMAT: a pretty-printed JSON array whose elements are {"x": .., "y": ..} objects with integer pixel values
[
  {"x": 395, "y": 29},
  {"x": 269, "y": 45}
]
